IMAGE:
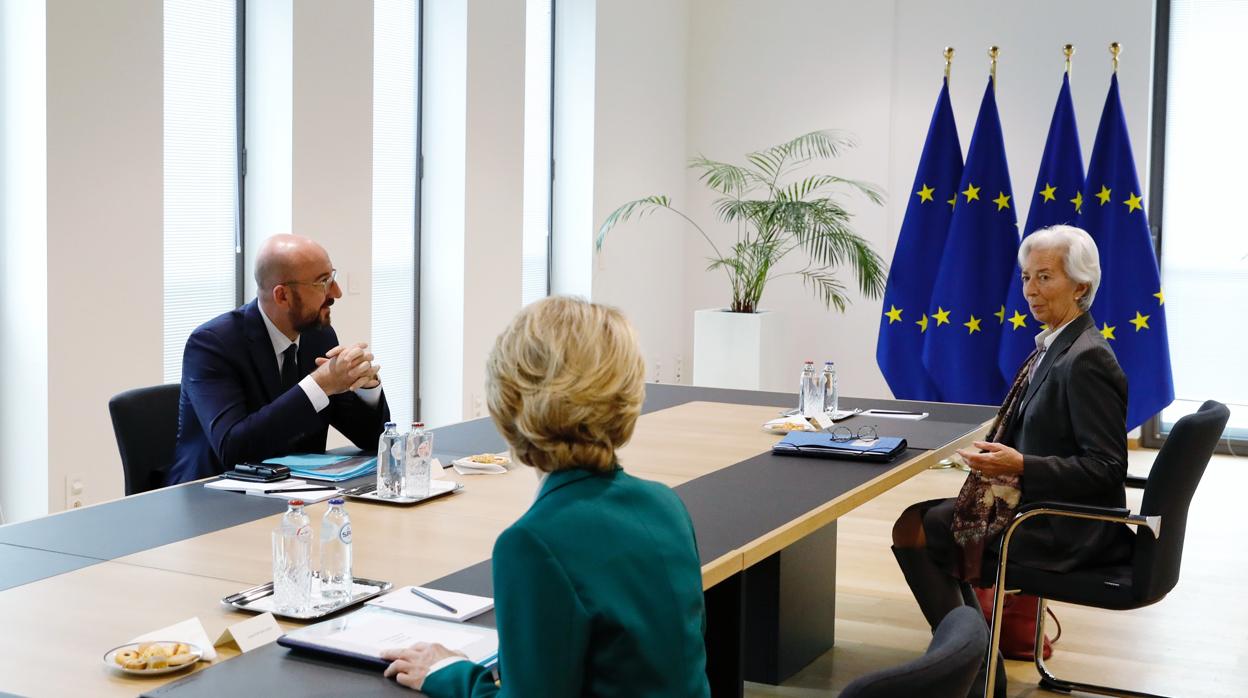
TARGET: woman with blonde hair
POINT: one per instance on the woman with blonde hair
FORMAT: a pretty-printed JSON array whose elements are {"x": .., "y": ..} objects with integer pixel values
[{"x": 598, "y": 586}]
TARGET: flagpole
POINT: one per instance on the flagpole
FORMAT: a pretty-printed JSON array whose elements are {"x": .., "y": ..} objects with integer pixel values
[
  {"x": 1069, "y": 50},
  {"x": 948, "y": 61},
  {"x": 1115, "y": 49},
  {"x": 992, "y": 54}
]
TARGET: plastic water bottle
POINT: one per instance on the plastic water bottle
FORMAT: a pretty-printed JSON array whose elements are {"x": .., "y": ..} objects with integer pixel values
[
  {"x": 390, "y": 462},
  {"x": 336, "y": 552},
  {"x": 831, "y": 395},
  {"x": 292, "y": 560},
  {"x": 811, "y": 397},
  {"x": 418, "y": 457}
]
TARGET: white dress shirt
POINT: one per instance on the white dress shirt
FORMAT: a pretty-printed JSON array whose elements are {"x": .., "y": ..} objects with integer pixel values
[
  {"x": 1044, "y": 340},
  {"x": 316, "y": 395}
]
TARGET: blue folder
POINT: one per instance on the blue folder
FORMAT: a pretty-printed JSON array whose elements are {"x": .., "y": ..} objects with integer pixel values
[
  {"x": 326, "y": 466},
  {"x": 823, "y": 445}
]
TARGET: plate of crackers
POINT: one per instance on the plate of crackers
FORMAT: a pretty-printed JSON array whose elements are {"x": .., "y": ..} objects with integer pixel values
[
  {"x": 785, "y": 425},
  {"x": 153, "y": 658},
  {"x": 482, "y": 463}
]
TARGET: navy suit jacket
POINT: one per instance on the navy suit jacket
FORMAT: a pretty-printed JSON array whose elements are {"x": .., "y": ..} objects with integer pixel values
[{"x": 232, "y": 409}]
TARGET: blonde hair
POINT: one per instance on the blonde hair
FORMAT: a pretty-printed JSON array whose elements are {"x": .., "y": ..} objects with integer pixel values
[{"x": 564, "y": 384}]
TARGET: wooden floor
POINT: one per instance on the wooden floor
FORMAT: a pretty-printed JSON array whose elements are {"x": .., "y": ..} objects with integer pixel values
[{"x": 1192, "y": 643}]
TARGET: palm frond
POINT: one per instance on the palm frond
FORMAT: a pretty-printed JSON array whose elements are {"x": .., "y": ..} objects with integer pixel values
[
  {"x": 723, "y": 177},
  {"x": 826, "y": 287},
  {"x": 800, "y": 189},
  {"x": 638, "y": 208}
]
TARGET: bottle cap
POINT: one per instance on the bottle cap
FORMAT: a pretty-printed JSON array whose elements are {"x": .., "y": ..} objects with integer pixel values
[
  {"x": 391, "y": 425},
  {"x": 296, "y": 502},
  {"x": 418, "y": 424},
  {"x": 336, "y": 500}
]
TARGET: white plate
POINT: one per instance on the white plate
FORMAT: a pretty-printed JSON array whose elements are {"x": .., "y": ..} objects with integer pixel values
[
  {"x": 112, "y": 663},
  {"x": 467, "y": 466},
  {"x": 781, "y": 426}
]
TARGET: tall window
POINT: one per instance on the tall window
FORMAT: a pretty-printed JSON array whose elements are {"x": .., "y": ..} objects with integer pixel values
[
  {"x": 395, "y": 160},
  {"x": 200, "y": 168},
  {"x": 538, "y": 89},
  {"x": 1204, "y": 260}
]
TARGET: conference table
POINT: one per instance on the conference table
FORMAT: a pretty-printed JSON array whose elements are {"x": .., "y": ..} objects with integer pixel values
[{"x": 77, "y": 583}]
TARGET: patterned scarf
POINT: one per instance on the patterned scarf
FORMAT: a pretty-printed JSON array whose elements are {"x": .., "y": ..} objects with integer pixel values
[{"x": 986, "y": 504}]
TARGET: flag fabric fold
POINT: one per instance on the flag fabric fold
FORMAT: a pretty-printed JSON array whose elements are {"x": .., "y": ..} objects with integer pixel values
[
  {"x": 904, "y": 318},
  {"x": 966, "y": 312},
  {"x": 1057, "y": 199},
  {"x": 1130, "y": 305}
]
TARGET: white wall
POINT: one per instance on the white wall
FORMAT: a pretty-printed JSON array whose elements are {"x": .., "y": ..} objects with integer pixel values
[
  {"x": 493, "y": 184},
  {"x": 640, "y": 149},
  {"x": 757, "y": 74},
  {"x": 332, "y": 191},
  {"x": 23, "y": 260},
  {"x": 104, "y": 229}
]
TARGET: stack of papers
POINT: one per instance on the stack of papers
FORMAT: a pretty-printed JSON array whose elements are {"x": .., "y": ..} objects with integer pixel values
[
  {"x": 366, "y": 633},
  {"x": 404, "y": 601},
  {"x": 279, "y": 490},
  {"x": 326, "y": 466}
]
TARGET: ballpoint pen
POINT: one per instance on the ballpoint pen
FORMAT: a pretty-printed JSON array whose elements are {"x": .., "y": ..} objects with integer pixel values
[
  {"x": 893, "y": 412},
  {"x": 433, "y": 601},
  {"x": 299, "y": 489}
]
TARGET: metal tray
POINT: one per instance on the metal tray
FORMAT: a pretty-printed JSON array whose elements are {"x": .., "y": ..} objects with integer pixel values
[
  {"x": 368, "y": 493},
  {"x": 252, "y": 599}
]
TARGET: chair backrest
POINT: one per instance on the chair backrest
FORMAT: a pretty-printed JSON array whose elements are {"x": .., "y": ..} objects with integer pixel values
[
  {"x": 145, "y": 422},
  {"x": 946, "y": 670},
  {"x": 1171, "y": 483}
]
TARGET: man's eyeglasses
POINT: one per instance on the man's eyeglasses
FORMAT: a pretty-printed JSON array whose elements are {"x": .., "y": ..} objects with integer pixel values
[
  {"x": 843, "y": 433},
  {"x": 323, "y": 284}
]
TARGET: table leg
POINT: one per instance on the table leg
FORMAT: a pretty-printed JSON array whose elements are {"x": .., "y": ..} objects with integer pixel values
[
  {"x": 790, "y": 608},
  {"x": 724, "y": 638}
]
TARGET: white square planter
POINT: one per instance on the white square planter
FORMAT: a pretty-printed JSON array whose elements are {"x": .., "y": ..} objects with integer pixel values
[{"x": 741, "y": 350}]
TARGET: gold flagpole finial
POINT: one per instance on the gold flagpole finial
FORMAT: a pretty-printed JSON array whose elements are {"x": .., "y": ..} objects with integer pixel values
[
  {"x": 993, "y": 51},
  {"x": 1069, "y": 50},
  {"x": 948, "y": 60},
  {"x": 1115, "y": 49}
]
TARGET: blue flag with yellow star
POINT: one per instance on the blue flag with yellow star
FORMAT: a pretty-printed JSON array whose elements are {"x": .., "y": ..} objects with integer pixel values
[
  {"x": 1129, "y": 306},
  {"x": 1057, "y": 200},
  {"x": 899, "y": 352},
  {"x": 966, "y": 313}
]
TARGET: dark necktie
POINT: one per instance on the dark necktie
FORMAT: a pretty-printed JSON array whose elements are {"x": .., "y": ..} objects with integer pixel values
[{"x": 290, "y": 367}]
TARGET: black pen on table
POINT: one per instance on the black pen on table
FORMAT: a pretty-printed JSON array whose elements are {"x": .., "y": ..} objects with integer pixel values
[
  {"x": 873, "y": 411},
  {"x": 433, "y": 601},
  {"x": 299, "y": 489}
]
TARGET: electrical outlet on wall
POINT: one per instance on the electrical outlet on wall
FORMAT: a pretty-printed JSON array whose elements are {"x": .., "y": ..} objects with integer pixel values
[
  {"x": 677, "y": 369},
  {"x": 478, "y": 405},
  {"x": 75, "y": 491}
]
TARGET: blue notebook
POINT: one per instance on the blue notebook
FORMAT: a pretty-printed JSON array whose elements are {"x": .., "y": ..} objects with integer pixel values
[
  {"x": 326, "y": 466},
  {"x": 822, "y": 445}
]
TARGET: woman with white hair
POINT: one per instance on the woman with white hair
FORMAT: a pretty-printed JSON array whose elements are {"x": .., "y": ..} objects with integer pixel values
[{"x": 1059, "y": 435}]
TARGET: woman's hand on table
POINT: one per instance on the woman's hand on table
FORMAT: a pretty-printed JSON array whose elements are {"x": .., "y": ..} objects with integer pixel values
[
  {"x": 996, "y": 459},
  {"x": 410, "y": 666}
]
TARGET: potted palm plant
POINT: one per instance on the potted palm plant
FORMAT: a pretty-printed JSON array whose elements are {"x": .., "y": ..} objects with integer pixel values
[{"x": 789, "y": 222}]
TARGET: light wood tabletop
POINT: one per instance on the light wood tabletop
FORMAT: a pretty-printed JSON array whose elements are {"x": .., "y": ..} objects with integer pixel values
[{"x": 58, "y": 629}]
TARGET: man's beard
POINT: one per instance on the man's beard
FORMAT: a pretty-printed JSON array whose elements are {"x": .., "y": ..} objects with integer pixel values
[{"x": 313, "y": 320}]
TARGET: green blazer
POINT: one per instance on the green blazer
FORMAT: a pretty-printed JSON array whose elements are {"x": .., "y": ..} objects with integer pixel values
[{"x": 597, "y": 592}]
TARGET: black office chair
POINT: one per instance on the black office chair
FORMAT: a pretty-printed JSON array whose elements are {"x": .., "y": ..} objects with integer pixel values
[
  {"x": 1153, "y": 569},
  {"x": 145, "y": 422},
  {"x": 946, "y": 670}
]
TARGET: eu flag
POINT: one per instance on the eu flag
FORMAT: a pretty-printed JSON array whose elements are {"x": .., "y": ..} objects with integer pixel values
[
  {"x": 966, "y": 313},
  {"x": 899, "y": 351},
  {"x": 1130, "y": 305},
  {"x": 1057, "y": 199}
]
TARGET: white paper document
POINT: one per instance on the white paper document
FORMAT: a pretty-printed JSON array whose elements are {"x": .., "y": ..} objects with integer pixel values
[
  {"x": 404, "y": 601},
  {"x": 276, "y": 489},
  {"x": 894, "y": 414},
  {"x": 371, "y": 630}
]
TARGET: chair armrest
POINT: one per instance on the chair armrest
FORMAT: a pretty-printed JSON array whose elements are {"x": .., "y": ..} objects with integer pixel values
[{"x": 1084, "y": 511}]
